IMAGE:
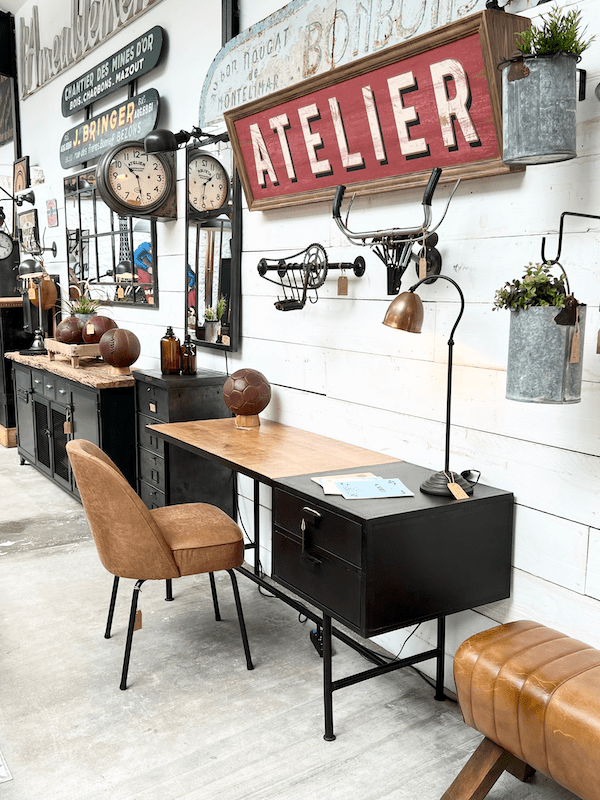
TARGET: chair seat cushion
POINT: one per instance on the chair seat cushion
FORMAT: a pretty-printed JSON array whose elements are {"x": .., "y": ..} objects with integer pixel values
[
  {"x": 202, "y": 537},
  {"x": 536, "y": 693}
]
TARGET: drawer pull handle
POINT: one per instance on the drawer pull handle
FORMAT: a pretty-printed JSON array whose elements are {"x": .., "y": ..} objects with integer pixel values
[
  {"x": 313, "y": 516},
  {"x": 48, "y": 386},
  {"x": 36, "y": 380},
  {"x": 62, "y": 391},
  {"x": 311, "y": 561},
  {"x": 310, "y": 512}
]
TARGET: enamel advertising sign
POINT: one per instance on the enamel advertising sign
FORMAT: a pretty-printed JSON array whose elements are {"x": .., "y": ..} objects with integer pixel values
[{"x": 382, "y": 122}]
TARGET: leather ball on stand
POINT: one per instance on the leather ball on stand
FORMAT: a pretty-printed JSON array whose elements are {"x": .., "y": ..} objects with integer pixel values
[
  {"x": 120, "y": 348},
  {"x": 69, "y": 330},
  {"x": 247, "y": 392},
  {"x": 95, "y": 328}
]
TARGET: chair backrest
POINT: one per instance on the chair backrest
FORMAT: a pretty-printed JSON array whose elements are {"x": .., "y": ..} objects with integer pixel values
[{"x": 127, "y": 538}]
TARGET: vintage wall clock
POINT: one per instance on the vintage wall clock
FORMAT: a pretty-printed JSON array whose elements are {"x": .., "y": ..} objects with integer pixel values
[
  {"x": 21, "y": 174},
  {"x": 208, "y": 182},
  {"x": 135, "y": 183},
  {"x": 7, "y": 245}
]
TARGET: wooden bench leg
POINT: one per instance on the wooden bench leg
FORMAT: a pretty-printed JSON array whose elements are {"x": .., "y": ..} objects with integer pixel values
[{"x": 482, "y": 771}]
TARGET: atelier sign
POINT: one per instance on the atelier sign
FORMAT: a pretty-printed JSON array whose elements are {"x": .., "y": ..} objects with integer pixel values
[
  {"x": 132, "y": 119},
  {"x": 381, "y": 122},
  {"x": 135, "y": 59}
]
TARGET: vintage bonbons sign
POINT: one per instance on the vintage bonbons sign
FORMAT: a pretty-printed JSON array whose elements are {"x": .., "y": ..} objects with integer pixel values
[{"x": 382, "y": 122}]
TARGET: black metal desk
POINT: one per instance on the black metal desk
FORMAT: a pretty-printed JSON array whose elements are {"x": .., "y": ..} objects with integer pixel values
[{"x": 372, "y": 565}]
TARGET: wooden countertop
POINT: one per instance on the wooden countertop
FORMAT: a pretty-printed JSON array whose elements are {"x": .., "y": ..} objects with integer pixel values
[
  {"x": 92, "y": 372},
  {"x": 11, "y": 302}
]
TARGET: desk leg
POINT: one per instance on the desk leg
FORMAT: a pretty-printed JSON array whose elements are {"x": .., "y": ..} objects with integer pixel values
[
  {"x": 327, "y": 682},
  {"x": 256, "y": 527},
  {"x": 441, "y": 646}
]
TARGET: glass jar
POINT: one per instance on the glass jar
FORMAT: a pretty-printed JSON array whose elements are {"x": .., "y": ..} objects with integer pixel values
[
  {"x": 188, "y": 356},
  {"x": 170, "y": 355}
]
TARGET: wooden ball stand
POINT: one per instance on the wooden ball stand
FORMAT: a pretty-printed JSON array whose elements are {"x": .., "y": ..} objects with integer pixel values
[
  {"x": 247, "y": 422},
  {"x": 119, "y": 371}
]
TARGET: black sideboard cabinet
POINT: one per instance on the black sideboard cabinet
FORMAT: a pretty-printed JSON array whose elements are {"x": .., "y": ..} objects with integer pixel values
[
  {"x": 13, "y": 336},
  {"x": 54, "y": 407},
  {"x": 169, "y": 476}
]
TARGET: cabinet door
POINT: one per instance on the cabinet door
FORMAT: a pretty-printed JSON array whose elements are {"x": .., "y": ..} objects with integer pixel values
[
  {"x": 61, "y": 470},
  {"x": 85, "y": 415},
  {"x": 24, "y": 407}
]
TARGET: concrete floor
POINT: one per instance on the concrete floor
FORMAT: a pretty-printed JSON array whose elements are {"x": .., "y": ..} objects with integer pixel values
[{"x": 194, "y": 723}]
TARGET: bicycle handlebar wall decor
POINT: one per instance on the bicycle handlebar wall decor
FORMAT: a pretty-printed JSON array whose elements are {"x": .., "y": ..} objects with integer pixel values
[
  {"x": 394, "y": 246},
  {"x": 297, "y": 279}
]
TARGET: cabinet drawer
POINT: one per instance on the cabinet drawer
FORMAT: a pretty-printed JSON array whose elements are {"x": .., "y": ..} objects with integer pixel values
[
  {"x": 153, "y": 401},
  {"x": 37, "y": 381},
  {"x": 148, "y": 439},
  {"x": 327, "y": 582},
  {"x": 326, "y": 530},
  {"x": 153, "y": 498},
  {"x": 152, "y": 469},
  {"x": 61, "y": 389}
]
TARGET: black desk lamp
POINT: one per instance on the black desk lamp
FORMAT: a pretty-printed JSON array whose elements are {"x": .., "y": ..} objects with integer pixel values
[
  {"x": 406, "y": 313},
  {"x": 34, "y": 270}
]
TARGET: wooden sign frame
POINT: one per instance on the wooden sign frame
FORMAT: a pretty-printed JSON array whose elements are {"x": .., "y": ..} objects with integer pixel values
[{"x": 312, "y": 130}]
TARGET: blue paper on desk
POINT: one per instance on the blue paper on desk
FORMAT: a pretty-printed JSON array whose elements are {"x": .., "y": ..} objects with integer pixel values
[{"x": 376, "y": 487}]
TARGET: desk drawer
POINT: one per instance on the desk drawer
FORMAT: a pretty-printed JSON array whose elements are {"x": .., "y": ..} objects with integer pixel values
[
  {"x": 326, "y": 531},
  {"x": 153, "y": 401},
  {"x": 152, "y": 497},
  {"x": 152, "y": 469},
  {"x": 327, "y": 582},
  {"x": 148, "y": 439}
]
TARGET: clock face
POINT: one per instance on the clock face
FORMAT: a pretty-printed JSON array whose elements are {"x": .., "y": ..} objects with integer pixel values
[
  {"x": 137, "y": 180},
  {"x": 208, "y": 183},
  {"x": 6, "y": 245}
]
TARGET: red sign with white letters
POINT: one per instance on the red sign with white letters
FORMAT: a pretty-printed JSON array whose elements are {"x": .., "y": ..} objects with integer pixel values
[{"x": 375, "y": 130}]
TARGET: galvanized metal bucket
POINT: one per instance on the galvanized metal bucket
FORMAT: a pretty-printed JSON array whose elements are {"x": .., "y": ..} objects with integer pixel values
[
  {"x": 539, "y": 109},
  {"x": 540, "y": 367}
]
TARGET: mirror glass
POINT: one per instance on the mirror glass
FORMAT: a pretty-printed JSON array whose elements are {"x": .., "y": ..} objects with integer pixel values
[
  {"x": 213, "y": 248},
  {"x": 110, "y": 257}
]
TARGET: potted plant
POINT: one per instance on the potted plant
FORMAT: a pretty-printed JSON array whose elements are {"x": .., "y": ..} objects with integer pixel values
[
  {"x": 83, "y": 307},
  {"x": 539, "y": 90},
  {"x": 211, "y": 324},
  {"x": 546, "y": 335}
]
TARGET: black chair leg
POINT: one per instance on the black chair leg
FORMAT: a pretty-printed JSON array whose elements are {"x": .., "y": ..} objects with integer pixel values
[
  {"x": 240, "y": 613},
  {"x": 111, "y": 608},
  {"x": 213, "y": 588},
  {"x": 130, "y": 629},
  {"x": 169, "y": 589}
]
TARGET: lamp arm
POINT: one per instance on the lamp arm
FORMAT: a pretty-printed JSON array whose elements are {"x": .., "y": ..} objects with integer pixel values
[{"x": 450, "y": 353}]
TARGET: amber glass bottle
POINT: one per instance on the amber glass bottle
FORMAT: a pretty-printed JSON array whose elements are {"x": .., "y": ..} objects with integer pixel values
[
  {"x": 170, "y": 355},
  {"x": 188, "y": 356}
]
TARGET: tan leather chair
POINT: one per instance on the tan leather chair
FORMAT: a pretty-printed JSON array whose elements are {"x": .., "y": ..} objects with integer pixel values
[{"x": 158, "y": 544}]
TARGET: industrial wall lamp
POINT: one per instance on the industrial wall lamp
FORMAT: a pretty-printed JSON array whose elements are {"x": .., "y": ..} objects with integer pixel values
[{"x": 163, "y": 140}]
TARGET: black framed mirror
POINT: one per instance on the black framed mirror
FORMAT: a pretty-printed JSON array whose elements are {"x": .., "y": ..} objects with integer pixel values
[
  {"x": 213, "y": 247},
  {"x": 110, "y": 257}
]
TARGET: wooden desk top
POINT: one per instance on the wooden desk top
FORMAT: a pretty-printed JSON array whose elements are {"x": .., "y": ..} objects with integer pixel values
[
  {"x": 93, "y": 372},
  {"x": 271, "y": 451}
]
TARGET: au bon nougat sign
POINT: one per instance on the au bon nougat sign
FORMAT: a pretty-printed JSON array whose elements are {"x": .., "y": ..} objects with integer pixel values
[
  {"x": 381, "y": 122},
  {"x": 131, "y": 119}
]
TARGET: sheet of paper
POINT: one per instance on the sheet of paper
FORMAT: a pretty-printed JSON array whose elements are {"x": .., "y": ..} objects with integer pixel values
[
  {"x": 368, "y": 489},
  {"x": 328, "y": 481}
]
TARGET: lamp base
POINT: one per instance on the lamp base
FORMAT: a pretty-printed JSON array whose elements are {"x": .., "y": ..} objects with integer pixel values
[
  {"x": 438, "y": 484},
  {"x": 37, "y": 347}
]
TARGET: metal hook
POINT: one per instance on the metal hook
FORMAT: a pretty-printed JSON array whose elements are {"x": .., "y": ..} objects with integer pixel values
[{"x": 560, "y": 235}]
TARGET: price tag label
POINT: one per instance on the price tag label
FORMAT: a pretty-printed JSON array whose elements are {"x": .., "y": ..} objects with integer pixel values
[
  {"x": 343, "y": 285},
  {"x": 457, "y": 491},
  {"x": 90, "y": 328}
]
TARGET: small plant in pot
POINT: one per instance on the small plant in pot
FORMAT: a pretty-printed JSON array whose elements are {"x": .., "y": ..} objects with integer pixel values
[
  {"x": 83, "y": 305},
  {"x": 539, "y": 90},
  {"x": 546, "y": 337}
]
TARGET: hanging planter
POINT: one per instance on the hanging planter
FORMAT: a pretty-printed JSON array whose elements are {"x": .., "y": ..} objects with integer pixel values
[
  {"x": 539, "y": 92},
  {"x": 546, "y": 336}
]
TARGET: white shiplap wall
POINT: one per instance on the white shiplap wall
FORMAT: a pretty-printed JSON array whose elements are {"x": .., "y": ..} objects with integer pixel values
[{"x": 335, "y": 369}]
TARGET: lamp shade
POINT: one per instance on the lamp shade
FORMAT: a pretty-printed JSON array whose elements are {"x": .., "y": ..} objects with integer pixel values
[
  {"x": 405, "y": 312},
  {"x": 164, "y": 141},
  {"x": 28, "y": 268}
]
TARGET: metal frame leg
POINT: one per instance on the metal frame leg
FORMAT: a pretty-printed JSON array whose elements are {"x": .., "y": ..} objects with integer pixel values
[
  {"x": 169, "y": 587},
  {"x": 213, "y": 589},
  {"x": 111, "y": 608},
  {"x": 240, "y": 613},
  {"x": 441, "y": 646},
  {"x": 132, "y": 613},
  {"x": 327, "y": 682}
]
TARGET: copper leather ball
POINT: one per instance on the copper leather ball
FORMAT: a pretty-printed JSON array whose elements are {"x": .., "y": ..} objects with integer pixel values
[
  {"x": 69, "y": 331},
  {"x": 247, "y": 392},
  {"x": 119, "y": 347},
  {"x": 95, "y": 328}
]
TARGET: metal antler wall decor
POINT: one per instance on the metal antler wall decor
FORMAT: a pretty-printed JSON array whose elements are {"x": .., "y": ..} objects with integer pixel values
[
  {"x": 394, "y": 246},
  {"x": 297, "y": 279}
]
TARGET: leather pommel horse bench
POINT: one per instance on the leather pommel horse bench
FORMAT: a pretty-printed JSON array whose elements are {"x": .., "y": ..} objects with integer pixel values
[{"x": 534, "y": 694}]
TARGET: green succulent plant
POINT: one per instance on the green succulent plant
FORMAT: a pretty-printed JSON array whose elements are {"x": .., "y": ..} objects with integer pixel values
[
  {"x": 83, "y": 305},
  {"x": 557, "y": 33},
  {"x": 537, "y": 287}
]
